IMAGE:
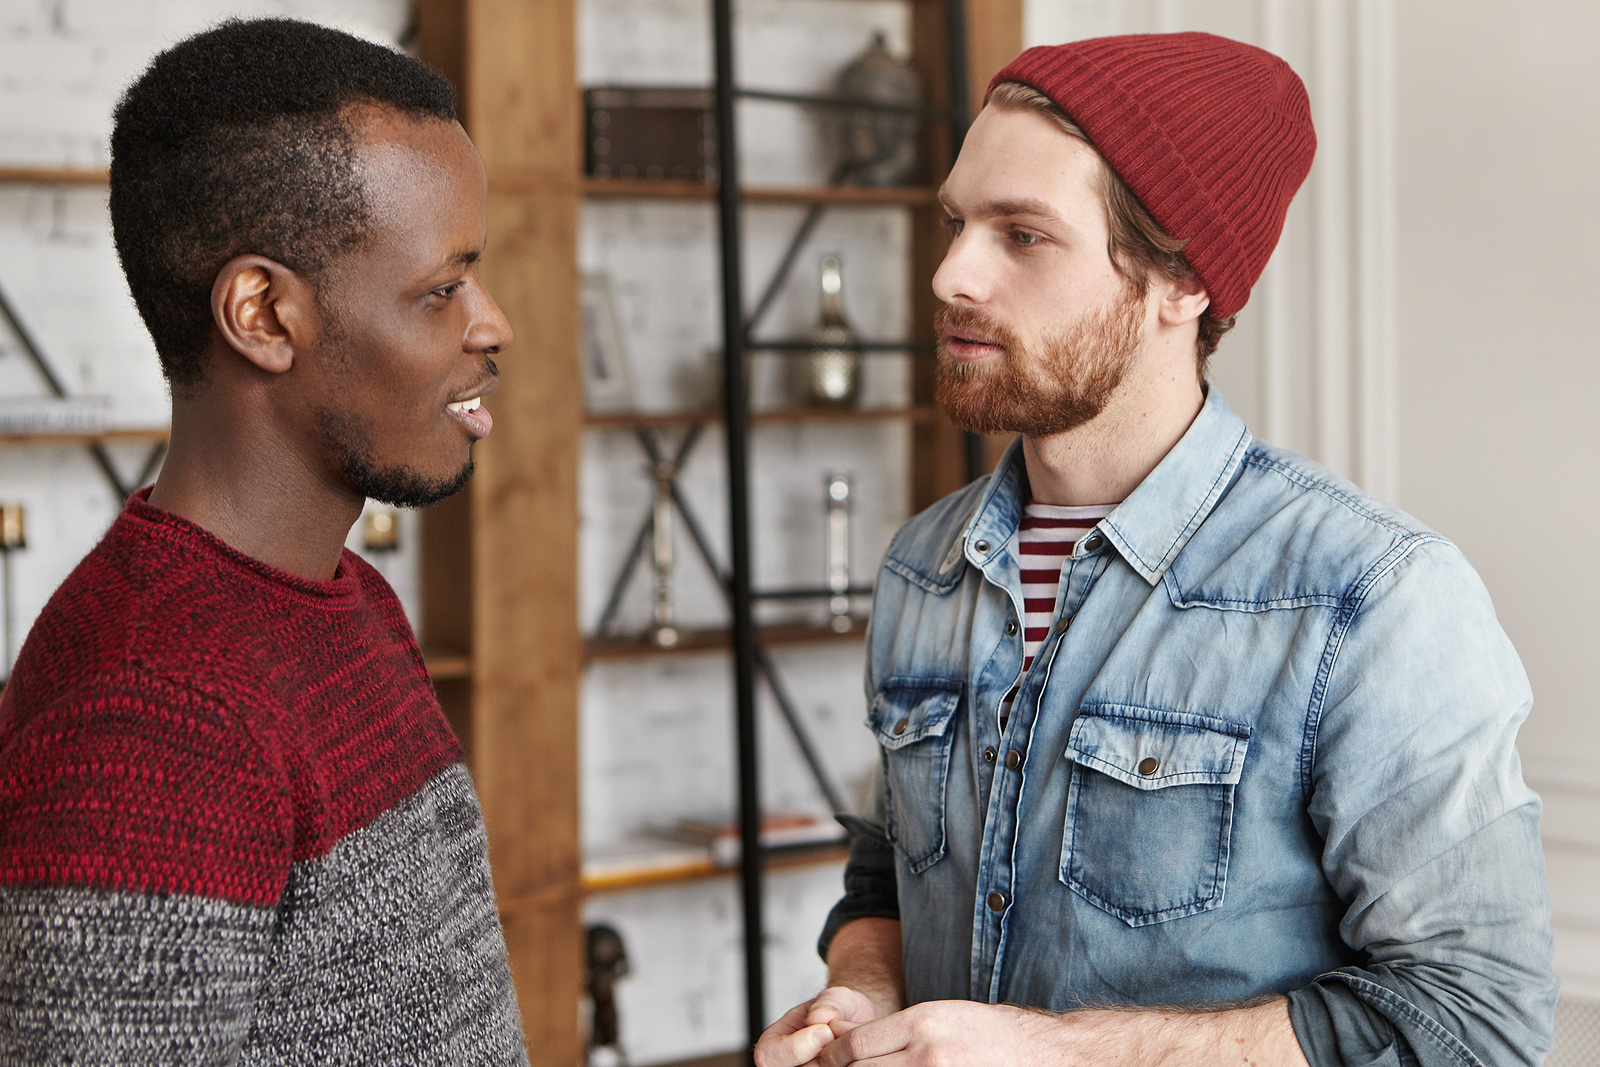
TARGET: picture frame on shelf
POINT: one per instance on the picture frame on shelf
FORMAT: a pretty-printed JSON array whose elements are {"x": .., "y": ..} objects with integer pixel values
[{"x": 607, "y": 381}]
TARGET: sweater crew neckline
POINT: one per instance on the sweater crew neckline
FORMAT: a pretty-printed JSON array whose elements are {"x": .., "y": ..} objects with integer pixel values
[{"x": 343, "y": 590}]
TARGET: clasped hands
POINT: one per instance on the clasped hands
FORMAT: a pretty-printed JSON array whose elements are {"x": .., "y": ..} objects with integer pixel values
[{"x": 842, "y": 1026}]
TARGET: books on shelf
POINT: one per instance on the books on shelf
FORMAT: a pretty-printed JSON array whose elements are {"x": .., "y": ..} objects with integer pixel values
[
  {"x": 48, "y": 414},
  {"x": 779, "y": 830}
]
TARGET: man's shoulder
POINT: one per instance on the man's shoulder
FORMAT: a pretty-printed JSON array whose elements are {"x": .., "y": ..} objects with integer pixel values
[
  {"x": 138, "y": 600},
  {"x": 1289, "y": 530}
]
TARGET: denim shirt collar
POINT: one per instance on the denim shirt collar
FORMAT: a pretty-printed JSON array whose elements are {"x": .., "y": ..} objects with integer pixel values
[{"x": 1157, "y": 519}]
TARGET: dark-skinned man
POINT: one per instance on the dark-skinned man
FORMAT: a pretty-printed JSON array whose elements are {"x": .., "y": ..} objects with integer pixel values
[{"x": 234, "y": 824}]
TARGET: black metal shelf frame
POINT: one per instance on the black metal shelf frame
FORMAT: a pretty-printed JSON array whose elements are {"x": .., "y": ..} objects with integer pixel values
[{"x": 736, "y": 340}]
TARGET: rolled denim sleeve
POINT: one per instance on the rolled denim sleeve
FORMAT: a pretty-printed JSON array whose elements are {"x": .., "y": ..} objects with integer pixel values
[
  {"x": 1429, "y": 832},
  {"x": 869, "y": 880}
]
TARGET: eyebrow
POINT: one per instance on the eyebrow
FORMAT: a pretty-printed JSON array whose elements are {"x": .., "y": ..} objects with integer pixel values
[
  {"x": 464, "y": 258},
  {"x": 1038, "y": 209}
]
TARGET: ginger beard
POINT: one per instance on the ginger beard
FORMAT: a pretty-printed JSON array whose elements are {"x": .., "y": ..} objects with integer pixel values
[{"x": 1061, "y": 383}]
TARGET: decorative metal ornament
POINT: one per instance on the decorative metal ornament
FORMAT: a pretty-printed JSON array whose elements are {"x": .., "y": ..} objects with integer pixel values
[
  {"x": 607, "y": 962},
  {"x": 13, "y": 527},
  {"x": 876, "y": 146},
  {"x": 13, "y": 537},
  {"x": 837, "y": 550},
  {"x": 831, "y": 372},
  {"x": 665, "y": 634},
  {"x": 380, "y": 529}
]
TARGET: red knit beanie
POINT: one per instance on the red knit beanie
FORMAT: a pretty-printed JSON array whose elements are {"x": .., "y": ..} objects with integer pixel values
[{"x": 1212, "y": 135}]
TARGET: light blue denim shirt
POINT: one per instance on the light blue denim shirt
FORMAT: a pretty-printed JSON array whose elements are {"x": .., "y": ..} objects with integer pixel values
[{"x": 1267, "y": 748}]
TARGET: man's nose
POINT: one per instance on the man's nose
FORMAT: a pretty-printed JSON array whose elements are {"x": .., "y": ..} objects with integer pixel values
[
  {"x": 490, "y": 331},
  {"x": 959, "y": 279}
]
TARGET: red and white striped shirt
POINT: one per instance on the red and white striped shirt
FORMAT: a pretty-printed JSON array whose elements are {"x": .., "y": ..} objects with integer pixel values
[
  {"x": 1048, "y": 533},
  {"x": 1045, "y": 540}
]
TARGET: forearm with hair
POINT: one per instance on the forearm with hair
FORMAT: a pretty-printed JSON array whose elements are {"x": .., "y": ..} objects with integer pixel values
[
  {"x": 865, "y": 956},
  {"x": 1258, "y": 1034}
]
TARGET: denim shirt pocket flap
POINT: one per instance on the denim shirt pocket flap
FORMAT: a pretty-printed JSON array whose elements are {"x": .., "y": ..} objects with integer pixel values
[
  {"x": 1149, "y": 749},
  {"x": 906, "y": 711}
]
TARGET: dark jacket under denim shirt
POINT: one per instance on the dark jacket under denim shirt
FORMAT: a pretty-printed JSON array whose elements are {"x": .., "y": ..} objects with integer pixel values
[{"x": 1267, "y": 748}]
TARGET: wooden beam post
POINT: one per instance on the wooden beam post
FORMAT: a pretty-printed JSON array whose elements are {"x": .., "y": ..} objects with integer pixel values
[{"x": 511, "y": 552}]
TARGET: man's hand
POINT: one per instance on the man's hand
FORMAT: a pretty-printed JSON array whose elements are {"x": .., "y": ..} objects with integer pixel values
[
  {"x": 976, "y": 1035},
  {"x": 795, "y": 1039},
  {"x": 865, "y": 983},
  {"x": 951, "y": 1031}
]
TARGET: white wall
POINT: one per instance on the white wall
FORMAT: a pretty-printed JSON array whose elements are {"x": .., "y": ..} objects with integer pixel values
[{"x": 1499, "y": 144}]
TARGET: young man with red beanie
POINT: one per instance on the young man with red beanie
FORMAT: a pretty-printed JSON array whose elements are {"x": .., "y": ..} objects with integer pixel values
[
  {"x": 1193, "y": 754},
  {"x": 235, "y": 827}
]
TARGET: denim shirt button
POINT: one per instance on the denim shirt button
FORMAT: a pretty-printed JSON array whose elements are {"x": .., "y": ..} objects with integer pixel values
[
  {"x": 997, "y": 901},
  {"x": 989, "y": 754},
  {"x": 1011, "y": 627},
  {"x": 1013, "y": 759},
  {"x": 982, "y": 546},
  {"x": 900, "y": 727},
  {"x": 1094, "y": 542},
  {"x": 1061, "y": 627},
  {"x": 1148, "y": 765}
]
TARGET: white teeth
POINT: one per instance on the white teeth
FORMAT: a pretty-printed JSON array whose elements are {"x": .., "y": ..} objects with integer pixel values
[{"x": 466, "y": 405}]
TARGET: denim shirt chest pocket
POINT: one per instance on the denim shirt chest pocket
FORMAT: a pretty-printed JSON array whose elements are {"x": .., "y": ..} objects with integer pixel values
[
  {"x": 914, "y": 722},
  {"x": 1149, "y": 816}
]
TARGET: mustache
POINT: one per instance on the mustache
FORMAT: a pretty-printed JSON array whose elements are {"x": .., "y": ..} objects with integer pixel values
[{"x": 971, "y": 322}]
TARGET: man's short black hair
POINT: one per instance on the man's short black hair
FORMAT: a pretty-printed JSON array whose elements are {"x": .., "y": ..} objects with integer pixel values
[{"x": 236, "y": 141}]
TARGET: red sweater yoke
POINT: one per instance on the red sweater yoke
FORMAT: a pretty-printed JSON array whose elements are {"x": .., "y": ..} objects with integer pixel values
[{"x": 239, "y": 719}]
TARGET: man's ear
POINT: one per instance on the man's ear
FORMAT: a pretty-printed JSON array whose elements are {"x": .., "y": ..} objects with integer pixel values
[
  {"x": 1182, "y": 300},
  {"x": 265, "y": 311}
]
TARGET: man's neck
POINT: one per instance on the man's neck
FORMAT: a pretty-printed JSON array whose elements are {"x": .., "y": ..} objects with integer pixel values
[
  {"x": 250, "y": 494},
  {"x": 1105, "y": 459}
]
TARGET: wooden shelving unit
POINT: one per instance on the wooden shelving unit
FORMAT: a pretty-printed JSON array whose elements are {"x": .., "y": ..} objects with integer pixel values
[
  {"x": 701, "y": 868},
  {"x": 677, "y": 420},
  {"x": 447, "y": 666},
  {"x": 646, "y": 189},
  {"x": 153, "y": 435},
  {"x": 51, "y": 176},
  {"x": 697, "y": 641}
]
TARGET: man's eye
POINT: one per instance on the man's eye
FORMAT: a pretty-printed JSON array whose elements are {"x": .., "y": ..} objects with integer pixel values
[
  {"x": 1024, "y": 238},
  {"x": 953, "y": 225},
  {"x": 445, "y": 292}
]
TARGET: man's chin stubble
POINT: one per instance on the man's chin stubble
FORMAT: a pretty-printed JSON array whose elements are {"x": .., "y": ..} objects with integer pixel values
[
  {"x": 402, "y": 487},
  {"x": 350, "y": 440}
]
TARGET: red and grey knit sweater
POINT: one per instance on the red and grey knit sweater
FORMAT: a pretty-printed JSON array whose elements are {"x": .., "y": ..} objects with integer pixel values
[{"x": 235, "y": 826}]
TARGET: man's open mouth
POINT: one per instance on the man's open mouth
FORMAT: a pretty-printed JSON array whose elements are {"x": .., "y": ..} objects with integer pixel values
[{"x": 472, "y": 414}]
